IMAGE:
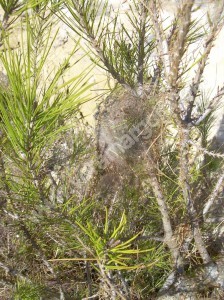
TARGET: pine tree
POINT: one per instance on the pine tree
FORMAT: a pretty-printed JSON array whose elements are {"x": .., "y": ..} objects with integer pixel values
[{"x": 146, "y": 221}]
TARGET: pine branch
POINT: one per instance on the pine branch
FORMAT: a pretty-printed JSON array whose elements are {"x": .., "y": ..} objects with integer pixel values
[
  {"x": 179, "y": 40},
  {"x": 186, "y": 188},
  {"x": 169, "y": 239},
  {"x": 217, "y": 25},
  {"x": 80, "y": 11},
  {"x": 161, "y": 40},
  {"x": 141, "y": 44},
  {"x": 212, "y": 105}
]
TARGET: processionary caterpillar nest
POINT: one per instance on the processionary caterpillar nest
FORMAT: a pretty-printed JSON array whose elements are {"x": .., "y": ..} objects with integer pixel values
[{"x": 127, "y": 127}]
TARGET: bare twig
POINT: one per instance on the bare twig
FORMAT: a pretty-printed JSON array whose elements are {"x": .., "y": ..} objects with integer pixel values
[
  {"x": 214, "y": 220},
  {"x": 13, "y": 272},
  {"x": 151, "y": 237},
  {"x": 89, "y": 279},
  {"x": 95, "y": 296},
  {"x": 205, "y": 151},
  {"x": 215, "y": 193}
]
